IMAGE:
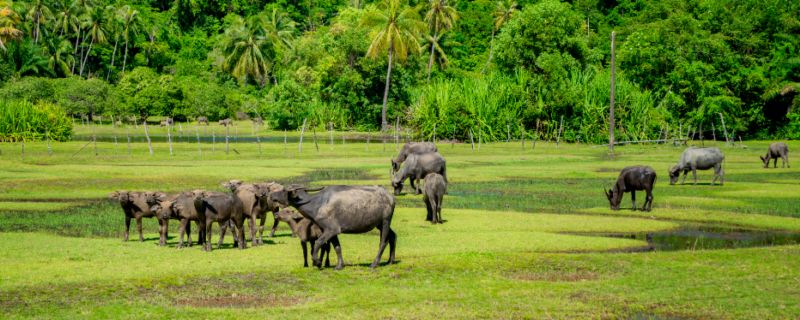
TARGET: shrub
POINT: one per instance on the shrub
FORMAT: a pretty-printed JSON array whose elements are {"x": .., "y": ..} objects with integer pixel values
[{"x": 20, "y": 119}]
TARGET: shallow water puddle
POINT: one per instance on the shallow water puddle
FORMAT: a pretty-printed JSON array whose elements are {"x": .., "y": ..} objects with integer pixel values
[{"x": 707, "y": 237}]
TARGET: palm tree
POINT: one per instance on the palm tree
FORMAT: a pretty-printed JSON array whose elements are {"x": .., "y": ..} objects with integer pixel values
[
  {"x": 9, "y": 20},
  {"x": 246, "y": 50},
  {"x": 38, "y": 12},
  {"x": 435, "y": 44},
  {"x": 60, "y": 59},
  {"x": 279, "y": 28},
  {"x": 96, "y": 30},
  {"x": 130, "y": 28},
  {"x": 440, "y": 18},
  {"x": 502, "y": 13},
  {"x": 395, "y": 27}
]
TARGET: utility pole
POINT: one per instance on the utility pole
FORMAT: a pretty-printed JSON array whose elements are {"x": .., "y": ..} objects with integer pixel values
[{"x": 611, "y": 108}]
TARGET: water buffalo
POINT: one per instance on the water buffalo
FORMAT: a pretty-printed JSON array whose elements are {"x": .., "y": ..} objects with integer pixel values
[
  {"x": 185, "y": 208},
  {"x": 435, "y": 188},
  {"x": 631, "y": 179},
  {"x": 698, "y": 158},
  {"x": 221, "y": 207},
  {"x": 777, "y": 149},
  {"x": 307, "y": 231},
  {"x": 136, "y": 205},
  {"x": 226, "y": 122},
  {"x": 344, "y": 209},
  {"x": 166, "y": 122},
  {"x": 256, "y": 203},
  {"x": 201, "y": 120},
  {"x": 257, "y": 120},
  {"x": 412, "y": 148},
  {"x": 416, "y": 168}
]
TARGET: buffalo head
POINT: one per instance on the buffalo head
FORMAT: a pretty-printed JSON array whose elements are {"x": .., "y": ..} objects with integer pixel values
[
  {"x": 614, "y": 198},
  {"x": 674, "y": 174}
]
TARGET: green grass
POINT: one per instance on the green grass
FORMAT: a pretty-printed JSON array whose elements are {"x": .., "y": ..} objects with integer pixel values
[{"x": 508, "y": 249}]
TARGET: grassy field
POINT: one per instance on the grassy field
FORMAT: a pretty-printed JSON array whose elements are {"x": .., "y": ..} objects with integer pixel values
[{"x": 513, "y": 245}]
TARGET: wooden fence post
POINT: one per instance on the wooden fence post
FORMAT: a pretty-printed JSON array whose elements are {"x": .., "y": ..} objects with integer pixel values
[
  {"x": 227, "y": 137},
  {"x": 611, "y": 124},
  {"x": 128, "y": 135},
  {"x": 314, "y": 131},
  {"x": 199, "y": 148},
  {"x": 169, "y": 140},
  {"x": 147, "y": 135},
  {"x": 302, "y": 132},
  {"x": 471, "y": 140},
  {"x": 560, "y": 129},
  {"x": 724, "y": 129}
]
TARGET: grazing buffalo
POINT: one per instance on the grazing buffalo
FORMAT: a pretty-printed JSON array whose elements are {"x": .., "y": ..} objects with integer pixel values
[
  {"x": 307, "y": 231},
  {"x": 226, "y": 122},
  {"x": 183, "y": 207},
  {"x": 412, "y": 148},
  {"x": 416, "y": 168},
  {"x": 435, "y": 187},
  {"x": 630, "y": 180},
  {"x": 777, "y": 149},
  {"x": 344, "y": 209},
  {"x": 257, "y": 120},
  {"x": 166, "y": 122},
  {"x": 201, "y": 120},
  {"x": 136, "y": 205},
  {"x": 698, "y": 158}
]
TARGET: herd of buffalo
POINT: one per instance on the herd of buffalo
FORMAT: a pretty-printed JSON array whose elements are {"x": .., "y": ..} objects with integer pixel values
[{"x": 318, "y": 216}]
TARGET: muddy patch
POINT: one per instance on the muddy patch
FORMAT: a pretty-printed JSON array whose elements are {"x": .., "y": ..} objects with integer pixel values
[
  {"x": 239, "y": 301},
  {"x": 706, "y": 237}
]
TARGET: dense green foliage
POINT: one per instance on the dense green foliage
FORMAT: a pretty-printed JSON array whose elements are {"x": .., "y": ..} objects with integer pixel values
[
  {"x": 22, "y": 120},
  {"x": 680, "y": 63}
]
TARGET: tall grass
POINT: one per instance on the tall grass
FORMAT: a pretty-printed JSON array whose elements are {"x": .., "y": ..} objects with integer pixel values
[
  {"x": 22, "y": 120},
  {"x": 496, "y": 106}
]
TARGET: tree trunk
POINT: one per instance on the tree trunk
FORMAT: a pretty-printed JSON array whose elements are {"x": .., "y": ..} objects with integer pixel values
[
  {"x": 384, "y": 124},
  {"x": 113, "y": 55},
  {"x": 430, "y": 60},
  {"x": 491, "y": 52},
  {"x": 83, "y": 64},
  {"x": 38, "y": 30},
  {"x": 75, "y": 51},
  {"x": 125, "y": 57}
]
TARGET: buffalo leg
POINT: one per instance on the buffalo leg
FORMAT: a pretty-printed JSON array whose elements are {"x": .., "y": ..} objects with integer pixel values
[
  {"x": 648, "y": 203},
  {"x": 223, "y": 228},
  {"x": 633, "y": 198},
  {"x": 261, "y": 228},
  {"x": 127, "y": 227},
  {"x": 392, "y": 238},
  {"x": 785, "y": 160},
  {"x": 182, "y": 231},
  {"x": 208, "y": 226},
  {"x": 240, "y": 229},
  {"x": 338, "y": 248},
  {"x": 326, "y": 251},
  {"x": 694, "y": 174},
  {"x": 189, "y": 231},
  {"x": 325, "y": 237},
  {"x": 139, "y": 228},
  {"x": 253, "y": 229},
  {"x": 439, "y": 210},
  {"x": 305, "y": 253},
  {"x": 428, "y": 207},
  {"x": 685, "y": 173},
  {"x": 274, "y": 227},
  {"x": 163, "y": 226},
  {"x": 384, "y": 236}
]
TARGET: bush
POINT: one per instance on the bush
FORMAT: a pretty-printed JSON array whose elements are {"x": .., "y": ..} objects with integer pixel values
[{"x": 20, "y": 119}]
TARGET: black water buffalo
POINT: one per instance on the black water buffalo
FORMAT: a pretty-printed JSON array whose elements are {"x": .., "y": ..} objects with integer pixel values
[
  {"x": 412, "y": 148},
  {"x": 225, "y": 122},
  {"x": 435, "y": 187},
  {"x": 136, "y": 205},
  {"x": 344, "y": 209},
  {"x": 630, "y": 180},
  {"x": 777, "y": 149},
  {"x": 221, "y": 207},
  {"x": 202, "y": 119},
  {"x": 418, "y": 166},
  {"x": 698, "y": 158},
  {"x": 307, "y": 231}
]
